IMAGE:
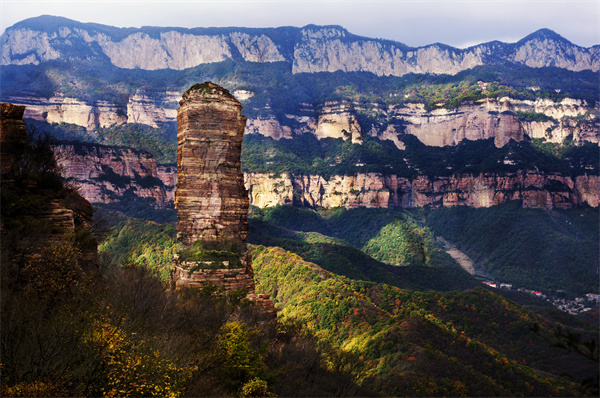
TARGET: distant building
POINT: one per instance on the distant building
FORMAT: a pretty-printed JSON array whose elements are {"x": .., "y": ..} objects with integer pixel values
[
  {"x": 483, "y": 85},
  {"x": 490, "y": 284},
  {"x": 593, "y": 297}
]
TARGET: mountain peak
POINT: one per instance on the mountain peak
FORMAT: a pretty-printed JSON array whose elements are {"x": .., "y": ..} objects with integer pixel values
[
  {"x": 45, "y": 23},
  {"x": 543, "y": 34}
]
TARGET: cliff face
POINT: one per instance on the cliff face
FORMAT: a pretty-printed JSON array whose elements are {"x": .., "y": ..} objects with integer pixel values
[
  {"x": 535, "y": 189},
  {"x": 310, "y": 49},
  {"x": 142, "y": 107},
  {"x": 369, "y": 190},
  {"x": 499, "y": 119},
  {"x": 330, "y": 49},
  {"x": 339, "y": 119},
  {"x": 89, "y": 167},
  {"x": 65, "y": 211},
  {"x": 104, "y": 174}
]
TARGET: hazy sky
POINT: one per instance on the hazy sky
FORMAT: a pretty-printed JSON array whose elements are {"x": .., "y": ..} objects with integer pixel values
[{"x": 415, "y": 23}]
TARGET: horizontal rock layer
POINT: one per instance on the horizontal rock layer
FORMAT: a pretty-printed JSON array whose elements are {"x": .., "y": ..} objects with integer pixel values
[
  {"x": 211, "y": 201},
  {"x": 491, "y": 118},
  {"x": 88, "y": 171},
  {"x": 104, "y": 174},
  {"x": 535, "y": 190},
  {"x": 371, "y": 190}
]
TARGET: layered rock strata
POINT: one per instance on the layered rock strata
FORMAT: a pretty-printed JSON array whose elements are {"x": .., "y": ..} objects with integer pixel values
[
  {"x": 105, "y": 174},
  {"x": 534, "y": 189},
  {"x": 67, "y": 211},
  {"x": 211, "y": 200},
  {"x": 13, "y": 137}
]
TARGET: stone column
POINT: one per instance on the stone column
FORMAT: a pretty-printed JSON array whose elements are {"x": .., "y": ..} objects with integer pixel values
[{"x": 211, "y": 200}]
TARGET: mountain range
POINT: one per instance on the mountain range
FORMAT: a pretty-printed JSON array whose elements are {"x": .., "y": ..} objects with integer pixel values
[
  {"x": 309, "y": 49},
  {"x": 386, "y": 183}
]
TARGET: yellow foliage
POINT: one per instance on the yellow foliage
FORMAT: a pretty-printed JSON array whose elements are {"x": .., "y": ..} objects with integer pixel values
[
  {"x": 33, "y": 389},
  {"x": 132, "y": 368}
]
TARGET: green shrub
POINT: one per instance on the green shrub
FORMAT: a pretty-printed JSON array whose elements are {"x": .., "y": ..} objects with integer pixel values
[{"x": 213, "y": 252}]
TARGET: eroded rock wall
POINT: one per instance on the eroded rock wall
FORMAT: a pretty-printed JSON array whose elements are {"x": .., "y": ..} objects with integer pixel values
[
  {"x": 534, "y": 189},
  {"x": 487, "y": 118},
  {"x": 104, "y": 174},
  {"x": 67, "y": 211},
  {"x": 309, "y": 49}
]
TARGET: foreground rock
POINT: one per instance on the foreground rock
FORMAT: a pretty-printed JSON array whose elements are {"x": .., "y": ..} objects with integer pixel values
[
  {"x": 60, "y": 212},
  {"x": 211, "y": 200}
]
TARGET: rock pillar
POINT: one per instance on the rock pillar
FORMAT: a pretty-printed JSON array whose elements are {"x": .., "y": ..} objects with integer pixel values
[{"x": 211, "y": 199}]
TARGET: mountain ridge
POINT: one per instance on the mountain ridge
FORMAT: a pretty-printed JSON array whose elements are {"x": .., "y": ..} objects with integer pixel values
[{"x": 308, "y": 49}]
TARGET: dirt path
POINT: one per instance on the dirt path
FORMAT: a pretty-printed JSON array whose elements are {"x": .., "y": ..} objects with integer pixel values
[{"x": 461, "y": 258}]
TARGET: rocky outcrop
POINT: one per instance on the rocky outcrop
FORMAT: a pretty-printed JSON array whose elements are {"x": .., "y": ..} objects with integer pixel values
[
  {"x": 105, "y": 174},
  {"x": 211, "y": 200},
  {"x": 152, "y": 108},
  {"x": 63, "y": 213},
  {"x": 534, "y": 189},
  {"x": 337, "y": 120},
  {"x": 497, "y": 118},
  {"x": 269, "y": 127},
  {"x": 13, "y": 138},
  {"x": 308, "y": 50}
]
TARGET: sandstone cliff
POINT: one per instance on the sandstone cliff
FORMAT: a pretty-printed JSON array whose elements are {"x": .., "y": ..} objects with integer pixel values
[
  {"x": 534, "y": 189},
  {"x": 104, "y": 174},
  {"x": 497, "y": 118},
  {"x": 59, "y": 211},
  {"x": 488, "y": 118},
  {"x": 308, "y": 50}
]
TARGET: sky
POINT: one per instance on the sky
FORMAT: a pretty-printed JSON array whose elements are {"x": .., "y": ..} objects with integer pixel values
[{"x": 414, "y": 23}]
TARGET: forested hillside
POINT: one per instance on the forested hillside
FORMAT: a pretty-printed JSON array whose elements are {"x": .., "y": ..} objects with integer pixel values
[{"x": 390, "y": 339}]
